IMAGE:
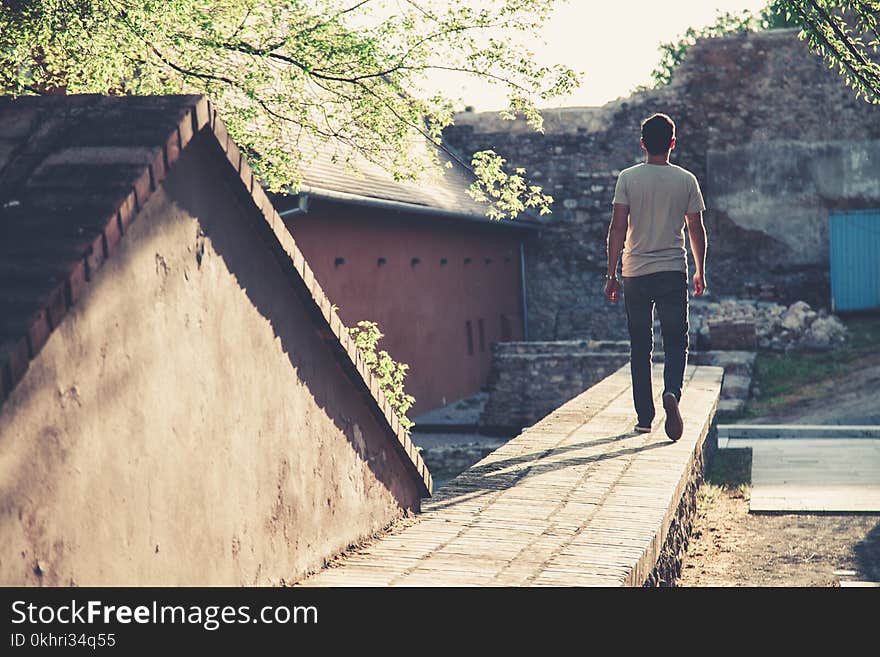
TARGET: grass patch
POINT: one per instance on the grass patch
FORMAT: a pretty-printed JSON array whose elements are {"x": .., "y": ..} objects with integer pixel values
[
  {"x": 795, "y": 376},
  {"x": 729, "y": 476}
]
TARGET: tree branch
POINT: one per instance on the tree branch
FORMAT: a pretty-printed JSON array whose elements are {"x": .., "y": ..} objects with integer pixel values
[
  {"x": 332, "y": 18},
  {"x": 847, "y": 43},
  {"x": 421, "y": 131},
  {"x": 867, "y": 10},
  {"x": 816, "y": 31}
]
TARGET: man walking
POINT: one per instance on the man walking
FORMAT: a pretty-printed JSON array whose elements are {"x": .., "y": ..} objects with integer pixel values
[{"x": 652, "y": 203}]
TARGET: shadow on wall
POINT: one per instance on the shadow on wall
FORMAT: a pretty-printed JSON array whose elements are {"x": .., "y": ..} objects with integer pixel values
[
  {"x": 868, "y": 554},
  {"x": 45, "y": 456},
  {"x": 311, "y": 356}
]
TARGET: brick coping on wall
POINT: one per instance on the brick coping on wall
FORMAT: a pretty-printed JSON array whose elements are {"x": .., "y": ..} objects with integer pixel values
[
  {"x": 577, "y": 499},
  {"x": 200, "y": 117}
]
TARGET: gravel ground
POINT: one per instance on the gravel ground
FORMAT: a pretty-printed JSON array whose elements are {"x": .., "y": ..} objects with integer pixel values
[{"x": 731, "y": 547}]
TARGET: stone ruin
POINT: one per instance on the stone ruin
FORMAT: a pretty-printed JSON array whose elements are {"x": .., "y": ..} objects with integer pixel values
[
  {"x": 777, "y": 142},
  {"x": 747, "y": 324},
  {"x": 530, "y": 379}
]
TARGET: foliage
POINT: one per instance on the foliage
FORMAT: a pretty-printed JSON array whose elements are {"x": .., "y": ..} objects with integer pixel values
[
  {"x": 504, "y": 190},
  {"x": 847, "y": 34},
  {"x": 289, "y": 74},
  {"x": 672, "y": 53},
  {"x": 390, "y": 373}
]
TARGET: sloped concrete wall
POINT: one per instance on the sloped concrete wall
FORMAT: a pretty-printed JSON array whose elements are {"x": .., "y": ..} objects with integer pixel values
[{"x": 186, "y": 425}]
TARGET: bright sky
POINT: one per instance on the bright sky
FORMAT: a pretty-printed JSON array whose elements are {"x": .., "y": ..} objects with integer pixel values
[{"x": 614, "y": 43}]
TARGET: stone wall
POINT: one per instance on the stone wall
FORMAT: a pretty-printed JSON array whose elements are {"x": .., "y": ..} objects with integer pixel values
[
  {"x": 792, "y": 184},
  {"x": 667, "y": 570},
  {"x": 531, "y": 379},
  {"x": 774, "y": 137}
]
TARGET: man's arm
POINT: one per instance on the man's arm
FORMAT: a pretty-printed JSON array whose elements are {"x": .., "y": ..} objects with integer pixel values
[
  {"x": 616, "y": 239},
  {"x": 697, "y": 237}
]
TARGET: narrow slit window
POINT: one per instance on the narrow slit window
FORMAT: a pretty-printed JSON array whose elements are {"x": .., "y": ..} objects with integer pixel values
[
  {"x": 470, "y": 337},
  {"x": 506, "y": 329}
]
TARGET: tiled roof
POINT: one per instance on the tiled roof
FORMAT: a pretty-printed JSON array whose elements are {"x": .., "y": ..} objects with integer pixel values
[
  {"x": 74, "y": 173},
  {"x": 330, "y": 167}
]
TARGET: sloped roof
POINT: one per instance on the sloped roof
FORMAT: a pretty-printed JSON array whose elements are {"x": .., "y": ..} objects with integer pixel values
[
  {"x": 334, "y": 171},
  {"x": 75, "y": 172}
]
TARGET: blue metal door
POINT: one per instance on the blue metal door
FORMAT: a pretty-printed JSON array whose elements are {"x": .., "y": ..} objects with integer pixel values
[{"x": 855, "y": 260}]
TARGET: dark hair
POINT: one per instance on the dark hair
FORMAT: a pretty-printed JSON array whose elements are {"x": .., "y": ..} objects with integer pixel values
[{"x": 658, "y": 131}]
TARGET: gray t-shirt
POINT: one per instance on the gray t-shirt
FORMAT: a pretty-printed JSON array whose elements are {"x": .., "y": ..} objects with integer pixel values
[{"x": 658, "y": 196}]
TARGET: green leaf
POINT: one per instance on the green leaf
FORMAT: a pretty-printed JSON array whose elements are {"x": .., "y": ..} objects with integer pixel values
[{"x": 285, "y": 74}]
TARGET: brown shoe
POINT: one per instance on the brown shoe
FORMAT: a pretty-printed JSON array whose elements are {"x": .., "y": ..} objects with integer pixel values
[{"x": 674, "y": 424}]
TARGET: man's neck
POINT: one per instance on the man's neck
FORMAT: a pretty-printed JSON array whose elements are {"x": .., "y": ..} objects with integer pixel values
[{"x": 658, "y": 159}]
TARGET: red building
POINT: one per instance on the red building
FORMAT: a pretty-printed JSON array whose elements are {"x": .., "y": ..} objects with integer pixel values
[{"x": 423, "y": 261}]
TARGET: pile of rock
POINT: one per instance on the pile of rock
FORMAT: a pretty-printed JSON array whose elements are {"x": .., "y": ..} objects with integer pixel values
[{"x": 777, "y": 327}]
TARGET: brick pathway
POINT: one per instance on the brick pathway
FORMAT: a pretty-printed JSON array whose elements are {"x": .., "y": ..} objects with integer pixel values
[{"x": 577, "y": 499}]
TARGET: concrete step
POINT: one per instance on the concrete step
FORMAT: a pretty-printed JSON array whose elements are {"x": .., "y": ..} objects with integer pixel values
[
  {"x": 763, "y": 431},
  {"x": 731, "y": 405},
  {"x": 853, "y": 585},
  {"x": 736, "y": 386},
  {"x": 814, "y": 475},
  {"x": 733, "y": 362}
]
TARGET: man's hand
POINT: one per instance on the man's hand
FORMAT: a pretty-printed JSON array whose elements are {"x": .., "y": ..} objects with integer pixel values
[
  {"x": 697, "y": 237},
  {"x": 699, "y": 284},
  {"x": 616, "y": 239},
  {"x": 612, "y": 290}
]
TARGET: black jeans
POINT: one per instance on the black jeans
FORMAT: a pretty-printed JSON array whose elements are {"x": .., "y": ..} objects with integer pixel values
[{"x": 668, "y": 290}]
